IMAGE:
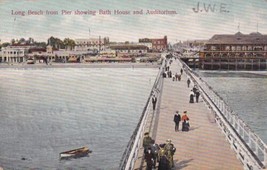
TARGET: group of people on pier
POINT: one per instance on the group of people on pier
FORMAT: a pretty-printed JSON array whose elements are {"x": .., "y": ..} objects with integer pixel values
[
  {"x": 168, "y": 73},
  {"x": 194, "y": 93},
  {"x": 185, "y": 121},
  {"x": 160, "y": 156}
]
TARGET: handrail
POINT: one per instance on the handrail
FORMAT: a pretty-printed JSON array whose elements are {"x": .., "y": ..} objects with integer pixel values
[
  {"x": 251, "y": 150},
  {"x": 131, "y": 151}
]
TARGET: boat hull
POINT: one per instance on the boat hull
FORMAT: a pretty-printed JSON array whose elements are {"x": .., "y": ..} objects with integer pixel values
[{"x": 76, "y": 153}]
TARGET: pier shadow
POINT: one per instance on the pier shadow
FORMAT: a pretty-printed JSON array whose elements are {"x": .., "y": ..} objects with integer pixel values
[
  {"x": 163, "y": 108},
  {"x": 193, "y": 128},
  {"x": 182, "y": 164}
]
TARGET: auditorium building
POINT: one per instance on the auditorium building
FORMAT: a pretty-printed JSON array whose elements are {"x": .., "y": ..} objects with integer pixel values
[{"x": 235, "y": 52}]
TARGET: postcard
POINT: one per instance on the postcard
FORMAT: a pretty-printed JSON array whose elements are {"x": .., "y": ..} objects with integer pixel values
[{"x": 133, "y": 84}]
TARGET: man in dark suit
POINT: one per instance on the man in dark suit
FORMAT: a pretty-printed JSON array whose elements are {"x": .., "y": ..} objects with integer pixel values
[
  {"x": 154, "y": 101},
  {"x": 177, "y": 119}
]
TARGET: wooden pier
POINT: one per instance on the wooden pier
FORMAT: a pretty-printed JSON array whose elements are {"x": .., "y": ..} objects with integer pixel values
[{"x": 204, "y": 146}]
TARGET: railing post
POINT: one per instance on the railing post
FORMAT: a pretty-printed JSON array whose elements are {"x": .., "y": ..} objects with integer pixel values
[
  {"x": 243, "y": 134},
  {"x": 238, "y": 126},
  {"x": 249, "y": 139},
  {"x": 265, "y": 157},
  {"x": 233, "y": 121},
  {"x": 256, "y": 148}
]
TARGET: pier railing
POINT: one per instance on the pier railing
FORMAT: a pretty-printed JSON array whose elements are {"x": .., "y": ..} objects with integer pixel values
[
  {"x": 131, "y": 152},
  {"x": 250, "y": 149}
]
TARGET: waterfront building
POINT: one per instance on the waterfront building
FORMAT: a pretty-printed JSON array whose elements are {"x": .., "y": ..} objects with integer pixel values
[
  {"x": 158, "y": 44},
  {"x": 129, "y": 48},
  {"x": 55, "y": 55},
  {"x": 234, "y": 52},
  {"x": 146, "y": 42},
  {"x": 86, "y": 44},
  {"x": 195, "y": 43},
  {"x": 15, "y": 53},
  {"x": 108, "y": 59}
]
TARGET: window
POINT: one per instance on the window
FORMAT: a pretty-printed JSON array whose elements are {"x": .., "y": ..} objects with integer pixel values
[
  {"x": 213, "y": 48},
  {"x": 233, "y": 48}
]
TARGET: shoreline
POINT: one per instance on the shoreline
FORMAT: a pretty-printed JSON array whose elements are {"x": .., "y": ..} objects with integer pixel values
[{"x": 81, "y": 65}]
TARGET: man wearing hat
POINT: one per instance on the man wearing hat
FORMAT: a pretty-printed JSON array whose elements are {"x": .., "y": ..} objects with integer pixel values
[
  {"x": 170, "y": 150},
  {"x": 147, "y": 141},
  {"x": 154, "y": 102},
  {"x": 177, "y": 119}
]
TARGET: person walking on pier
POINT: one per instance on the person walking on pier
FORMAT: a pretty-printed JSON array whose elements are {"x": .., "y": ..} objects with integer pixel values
[
  {"x": 164, "y": 163},
  {"x": 173, "y": 77},
  {"x": 161, "y": 151},
  {"x": 179, "y": 77},
  {"x": 185, "y": 117},
  {"x": 197, "y": 93},
  {"x": 176, "y": 76},
  {"x": 191, "y": 96},
  {"x": 170, "y": 74},
  {"x": 181, "y": 71},
  {"x": 188, "y": 82},
  {"x": 177, "y": 119},
  {"x": 154, "y": 102},
  {"x": 195, "y": 89},
  {"x": 185, "y": 124},
  {"x": 149, "y": 159},
  {"x": 170, "y": 150},
  {"x": 147, "y": 141},
  {"x": 164, "y": 74}
]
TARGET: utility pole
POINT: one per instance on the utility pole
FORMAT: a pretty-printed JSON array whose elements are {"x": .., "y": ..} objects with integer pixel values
[{"x": 99, "y": 43}]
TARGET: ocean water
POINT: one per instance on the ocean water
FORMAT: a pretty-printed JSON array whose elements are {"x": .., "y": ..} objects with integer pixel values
[
  {"x": 46, "y": 111},
  {"x": 245, "y": 93}
]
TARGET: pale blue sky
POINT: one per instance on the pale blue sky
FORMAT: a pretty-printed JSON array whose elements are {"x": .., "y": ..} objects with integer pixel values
[{"x": 186, "y": 24}]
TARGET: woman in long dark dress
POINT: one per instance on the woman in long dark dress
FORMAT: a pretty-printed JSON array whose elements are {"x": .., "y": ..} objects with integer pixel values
[
  {"x": 164, "y": 163},
  {"x": 186, "y": 126},
  {"x": 191, "y": 95}
]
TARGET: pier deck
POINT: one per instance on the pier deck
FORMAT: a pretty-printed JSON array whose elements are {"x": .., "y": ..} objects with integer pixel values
[{"x": 204, "y": 146}]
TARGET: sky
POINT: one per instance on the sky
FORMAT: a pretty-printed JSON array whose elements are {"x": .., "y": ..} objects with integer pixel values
[{"x": 189, "y": 19}]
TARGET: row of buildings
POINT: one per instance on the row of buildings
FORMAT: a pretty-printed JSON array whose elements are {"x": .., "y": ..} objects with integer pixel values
[
  {"x": 84, "y": 50},
  {"x": 221, "y": 51}
]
